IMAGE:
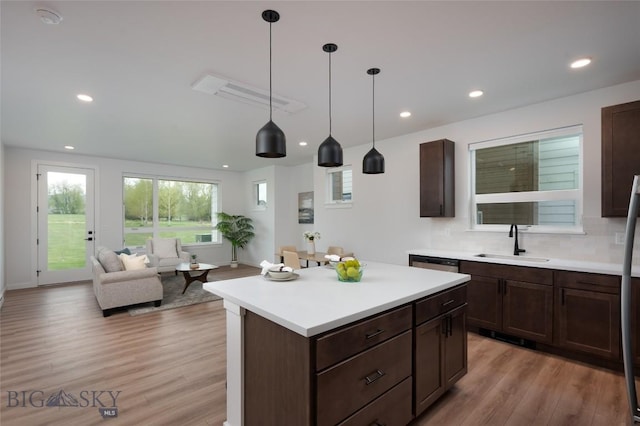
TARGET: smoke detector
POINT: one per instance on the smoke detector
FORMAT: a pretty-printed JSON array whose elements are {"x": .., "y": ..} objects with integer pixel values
[{"x": 48, "y": 16}]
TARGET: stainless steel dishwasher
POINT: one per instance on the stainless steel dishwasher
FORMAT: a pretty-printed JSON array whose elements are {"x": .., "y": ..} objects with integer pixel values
[{"x": 438, "y": 263}]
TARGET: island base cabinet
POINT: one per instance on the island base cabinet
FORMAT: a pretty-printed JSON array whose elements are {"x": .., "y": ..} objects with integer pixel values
[
  {"x": 391, "y": 409},
  {"x": 440, "y": 356},
  {"x": 351, "y": 384},
  {"x": 277, "y": 385}
]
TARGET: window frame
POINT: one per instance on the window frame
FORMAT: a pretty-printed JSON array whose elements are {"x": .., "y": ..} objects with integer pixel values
[
  {"x": 256, "y": 195},
  {"x": 576, "y": 195},
  {"x": 155, "y": 229},
  {"x": 330, "y": 202}
]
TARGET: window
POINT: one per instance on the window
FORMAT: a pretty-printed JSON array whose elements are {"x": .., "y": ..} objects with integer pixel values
[
  {"x": 339, "y": 185},
  {"x": 532, "y": 180},
  {"x": 260, "y": 193},
  {"x": 155, "y": 207}
]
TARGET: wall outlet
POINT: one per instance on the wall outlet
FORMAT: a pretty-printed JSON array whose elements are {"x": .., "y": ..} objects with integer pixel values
[{"x": 619, "y": 238}]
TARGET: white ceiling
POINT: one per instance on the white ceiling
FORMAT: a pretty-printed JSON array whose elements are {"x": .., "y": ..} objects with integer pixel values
[{"x": 138, "y": 60}]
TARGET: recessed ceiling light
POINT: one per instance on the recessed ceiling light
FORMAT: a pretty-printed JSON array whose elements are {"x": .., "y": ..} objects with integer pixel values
[
  {"x": 405, "y": 114},
  {"x": 84, "y": 98},
  {"x": 302, "y": 143},
  {"x": 226, "y": 166},
  {"x": 69, "y": 147},
  {"x": 476, "y": 93},
  {"x": 579, "y": 63}
]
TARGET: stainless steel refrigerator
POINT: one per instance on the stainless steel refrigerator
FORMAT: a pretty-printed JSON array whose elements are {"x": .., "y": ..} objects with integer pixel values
[{"x": 625, "y": 301}]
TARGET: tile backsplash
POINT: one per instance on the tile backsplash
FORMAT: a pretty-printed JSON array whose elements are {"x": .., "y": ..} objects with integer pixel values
[{"x": 597, "y": 244}]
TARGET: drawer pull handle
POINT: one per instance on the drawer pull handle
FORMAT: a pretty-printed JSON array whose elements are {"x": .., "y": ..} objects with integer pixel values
[
  {"x": 448, "y": 303},
  {"x": 377, "y": 423},
  {"x": 373, "y": 377},
  {"x": 374, "y": 334}
]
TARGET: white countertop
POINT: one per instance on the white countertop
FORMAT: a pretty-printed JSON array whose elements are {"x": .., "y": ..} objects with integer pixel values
[
  {"x": 317, "y": 302},
  {"x": 560, "y": 264}
]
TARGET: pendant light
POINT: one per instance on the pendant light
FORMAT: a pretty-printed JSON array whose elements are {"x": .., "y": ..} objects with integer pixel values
[
  {"x": 373, "y": 162},
  {"x": 270, "y": 140},
  {"x": 330, "y": 151}
]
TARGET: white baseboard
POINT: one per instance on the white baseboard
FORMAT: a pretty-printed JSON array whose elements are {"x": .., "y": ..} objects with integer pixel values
[
  {"x": 1, "y": 299},
  {"x": 20, "y": 286}
]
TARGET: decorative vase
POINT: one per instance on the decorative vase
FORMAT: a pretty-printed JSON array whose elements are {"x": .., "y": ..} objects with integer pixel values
[
  {"x": 234, "y": 264},
  {"x": 194, "y": 265},
  {"x": 311, "y": 247}
]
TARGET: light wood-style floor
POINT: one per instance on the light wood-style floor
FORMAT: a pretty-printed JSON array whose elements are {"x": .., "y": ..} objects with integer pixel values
[{"x": 169, "y": 368}]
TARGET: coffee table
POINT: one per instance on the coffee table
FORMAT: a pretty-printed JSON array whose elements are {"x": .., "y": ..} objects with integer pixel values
[{"x": 187, "y": 271}]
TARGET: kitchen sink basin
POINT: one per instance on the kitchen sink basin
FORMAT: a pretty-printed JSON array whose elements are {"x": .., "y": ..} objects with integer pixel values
[{"x": 512, "y": 257}]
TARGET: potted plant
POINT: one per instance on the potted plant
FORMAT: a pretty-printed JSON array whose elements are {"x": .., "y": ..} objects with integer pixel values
[
  {"x": 194, "y": 261},
  {"x": 311, "y": 237},
  {"x": 238, "y": 230}
]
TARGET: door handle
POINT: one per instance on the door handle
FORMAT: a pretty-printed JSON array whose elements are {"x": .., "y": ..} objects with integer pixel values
[{"x": 89, "y": 239}]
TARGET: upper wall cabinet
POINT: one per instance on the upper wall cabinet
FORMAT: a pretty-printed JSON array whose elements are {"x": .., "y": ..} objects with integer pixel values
[
  {"x": 620, "y": 156},
  {"x": 437, "y": 186}
]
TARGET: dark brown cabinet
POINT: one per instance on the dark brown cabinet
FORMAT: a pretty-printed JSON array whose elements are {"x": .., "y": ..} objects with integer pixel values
[
  {"x": 359, "y": 374},
  {"x": 588, "y": 313},
  {"x": 437, "y": 184},
  {"x": 620, "y": 156},
  {"x": 511, "y": 299},
  {"x": 364, "y": 361},
  {"x": 440, "y": 346}
]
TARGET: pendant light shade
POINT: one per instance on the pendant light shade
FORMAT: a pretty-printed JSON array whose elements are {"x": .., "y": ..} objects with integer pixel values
[
  {"x": 270, "y": 140},
  {"x": 330, "y": 151},
  {"x": 373, "y": 162}
]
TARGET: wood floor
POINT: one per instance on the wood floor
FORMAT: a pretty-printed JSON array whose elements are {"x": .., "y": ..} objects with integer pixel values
[{"x": 169, "y": 368}]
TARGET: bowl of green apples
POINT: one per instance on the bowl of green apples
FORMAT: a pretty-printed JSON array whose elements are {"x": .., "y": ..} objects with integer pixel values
[{"x": 350, "y": 271}]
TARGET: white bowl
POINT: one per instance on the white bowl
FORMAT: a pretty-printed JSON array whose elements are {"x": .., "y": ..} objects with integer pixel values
[{"x": 280, "y": 274}]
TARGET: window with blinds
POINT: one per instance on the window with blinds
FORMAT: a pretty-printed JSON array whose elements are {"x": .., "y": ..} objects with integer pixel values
[
  {"x": 339, "y": 185},
  {"x": 532, "y": 180}
]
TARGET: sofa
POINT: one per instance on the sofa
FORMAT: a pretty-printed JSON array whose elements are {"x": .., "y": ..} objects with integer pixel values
[{"x": 116, "y": 287}]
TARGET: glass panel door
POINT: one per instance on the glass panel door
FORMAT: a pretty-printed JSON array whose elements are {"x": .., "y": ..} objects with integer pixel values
[{"x": 65, "y": 223}]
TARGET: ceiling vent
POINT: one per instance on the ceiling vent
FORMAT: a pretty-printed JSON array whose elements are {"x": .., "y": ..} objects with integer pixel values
[{"x": 228, "y": 89}]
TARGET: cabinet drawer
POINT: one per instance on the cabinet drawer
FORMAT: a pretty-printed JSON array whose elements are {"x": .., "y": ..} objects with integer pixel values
[
  {"x": 509, "y": 272},
  {"x": 391, "y": 409},
  {"x": 349, "y": 341},
  {"x": 588, "y": 281},
  {"x": 350, "y": 385},
  {"x": 440, "y": 303}
]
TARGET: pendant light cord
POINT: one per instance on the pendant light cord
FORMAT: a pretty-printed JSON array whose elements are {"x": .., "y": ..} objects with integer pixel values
[
  {"x": 373, "y": 114},
  {"x": 270, "y": 77},
  {"x": 329, "y": 94}
]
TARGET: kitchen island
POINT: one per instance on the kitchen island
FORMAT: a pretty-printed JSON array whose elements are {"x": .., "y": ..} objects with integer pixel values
[{"x": 317, "y": 351}]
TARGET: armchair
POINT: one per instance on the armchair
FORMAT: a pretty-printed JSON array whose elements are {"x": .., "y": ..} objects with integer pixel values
[{"x": 166, "y": 253}]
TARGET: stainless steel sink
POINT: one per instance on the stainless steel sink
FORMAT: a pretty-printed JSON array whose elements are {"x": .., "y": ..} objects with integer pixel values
[{"x": 512, "y": 257}]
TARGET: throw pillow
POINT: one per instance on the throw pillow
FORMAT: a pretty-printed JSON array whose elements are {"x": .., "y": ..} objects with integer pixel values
[
  {"x": 132, "y": 262},
  {"x": 109, "y": 260},
  {"x": 124, "y": 250},
  {"x": 165, "y": 247}
]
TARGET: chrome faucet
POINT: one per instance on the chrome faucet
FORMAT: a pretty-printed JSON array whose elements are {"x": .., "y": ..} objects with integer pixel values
[{"x": 516, "y": 250}]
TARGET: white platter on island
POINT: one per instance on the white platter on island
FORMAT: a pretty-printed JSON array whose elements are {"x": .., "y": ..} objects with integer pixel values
[{"x": 313, "y": 304}]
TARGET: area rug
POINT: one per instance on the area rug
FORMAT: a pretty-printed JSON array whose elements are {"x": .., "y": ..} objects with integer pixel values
[{"x": 173, "y": 285}]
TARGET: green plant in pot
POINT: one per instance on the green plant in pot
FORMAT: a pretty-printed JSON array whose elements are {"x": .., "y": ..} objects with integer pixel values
[{"x": 238, "y": 230}]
